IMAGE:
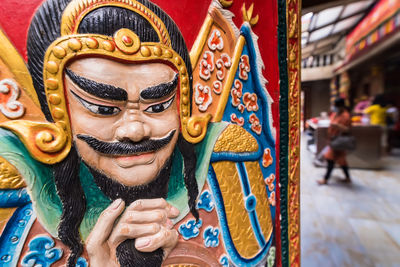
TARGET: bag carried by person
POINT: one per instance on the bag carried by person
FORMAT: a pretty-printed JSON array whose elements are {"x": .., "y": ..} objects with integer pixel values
[{"x": 345, "y": 142}]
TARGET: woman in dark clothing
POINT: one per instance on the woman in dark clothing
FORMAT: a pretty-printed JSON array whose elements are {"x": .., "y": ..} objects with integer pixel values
[{"x": 340, "y": 123}]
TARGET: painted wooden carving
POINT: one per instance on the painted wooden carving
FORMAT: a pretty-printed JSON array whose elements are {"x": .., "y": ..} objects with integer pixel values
[{"x": 119, "y": 147}]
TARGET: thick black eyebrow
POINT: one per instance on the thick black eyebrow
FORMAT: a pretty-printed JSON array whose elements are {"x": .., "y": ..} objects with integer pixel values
[
  {"x": 101, "y": 90},
  {"x": 160, "y": 90}
]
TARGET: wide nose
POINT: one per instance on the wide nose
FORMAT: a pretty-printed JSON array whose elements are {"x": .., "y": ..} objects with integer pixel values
[{"x": 133, "y": 128}]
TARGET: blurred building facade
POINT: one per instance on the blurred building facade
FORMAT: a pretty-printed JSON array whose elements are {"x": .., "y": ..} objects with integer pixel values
[{"x": 351, "y": 49}]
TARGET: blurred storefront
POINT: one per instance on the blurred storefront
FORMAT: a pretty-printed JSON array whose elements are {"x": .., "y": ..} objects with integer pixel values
[
  {"x": 324, "y": 32},
  {"x": 373, "y": 55},
  {"x": 352, "y": 51}
]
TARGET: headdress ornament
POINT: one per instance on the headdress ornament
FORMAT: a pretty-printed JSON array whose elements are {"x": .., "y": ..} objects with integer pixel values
[{"x": 126, "y": 46}]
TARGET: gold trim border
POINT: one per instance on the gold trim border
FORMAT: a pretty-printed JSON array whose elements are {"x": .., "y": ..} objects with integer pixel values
[
  {"x": 199, "y": 44},
  {"x": 77, "y": 10},
  {"x": 294, "y": 54},
  {"x": 10, "y": 56}
]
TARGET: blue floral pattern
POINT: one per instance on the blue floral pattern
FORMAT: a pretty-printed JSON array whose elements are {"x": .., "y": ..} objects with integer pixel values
[
  {"x": 190, "y": 229},
  {"x": 224, "y": 261},
  {"x": 82, "y": 262},
  {"x": 41, "y": 252},
  {"x": 210, "y": 236},
  {"x": 205, "y": 201}
]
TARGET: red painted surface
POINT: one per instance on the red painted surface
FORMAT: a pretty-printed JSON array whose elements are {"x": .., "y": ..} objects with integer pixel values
[{"x": 15, "y": 16}]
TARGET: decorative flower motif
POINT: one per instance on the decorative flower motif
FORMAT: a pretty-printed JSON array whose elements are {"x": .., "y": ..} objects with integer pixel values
[
  {"x": 267, "y": 158},
  {"x": 9, "y": 106},
  {"x": 272, "y": 199},
  {"x": 41, "y": 252},
  {"x": 241, "y": 108},
  {"x": 250, "y": 100},
  {"x": 236, "y": 120},
  {"x": 224, "y": 60},
  {"x": 215, "y": 41},
  {"x": 244, "y": 67},
  {"x": 190, "y": 229},
  {"x": 217, "y": 87},
  {"x": 207, "y": 65},
  {"x": 205, "y": 201},
  {"x": 202, "y": 96},
  {"x": 210, "y": 236},
  {"x": 224, "y": 261},
  {"x": 255, "y": 124},
  {"x": 236, "y": 92},
  {"x": 270, "y": 182},
  {"x": 81, "y": 262},
  {"x": 220, "y": 72}
]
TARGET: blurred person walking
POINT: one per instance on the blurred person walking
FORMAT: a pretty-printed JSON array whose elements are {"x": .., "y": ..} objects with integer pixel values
[{"x": 340, "y": 122}]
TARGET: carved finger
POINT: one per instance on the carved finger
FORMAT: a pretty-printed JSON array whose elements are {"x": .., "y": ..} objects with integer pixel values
[
  {"x": 125, "y": 231},
  {"x": 172, "y": 211},
  {"x": 157, "y": 216},
  {"x": 151, "y": 204},
  {"x": 165, "y": 239},
  {"x": 104, "y": 225},
  {"x": 146, "y": 204}
]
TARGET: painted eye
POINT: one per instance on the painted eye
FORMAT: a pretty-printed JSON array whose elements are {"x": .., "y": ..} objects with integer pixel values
[
  {"x": 158, "y": 108},
  {"x": 103, "y": 110},
  {"x": 98, "y": 109}
]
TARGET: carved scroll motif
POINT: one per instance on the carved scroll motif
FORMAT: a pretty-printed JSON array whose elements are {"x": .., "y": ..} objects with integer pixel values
[{"x": 9, "y": 106}]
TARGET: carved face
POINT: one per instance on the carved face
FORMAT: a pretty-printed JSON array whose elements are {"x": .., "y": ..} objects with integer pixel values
[{"x": 124, "y": 117}]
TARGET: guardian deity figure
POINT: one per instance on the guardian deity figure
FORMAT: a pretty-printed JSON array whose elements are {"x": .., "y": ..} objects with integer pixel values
[{"x": 129, "y": 151}]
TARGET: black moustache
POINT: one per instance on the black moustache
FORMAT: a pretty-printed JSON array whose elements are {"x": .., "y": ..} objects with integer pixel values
[{"x": 126, "y": 147}]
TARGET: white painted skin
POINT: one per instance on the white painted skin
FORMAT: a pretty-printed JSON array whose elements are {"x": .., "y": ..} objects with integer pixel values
[
  {"x": 147, "y": 221},
  {"x": 133, "y": 122}
]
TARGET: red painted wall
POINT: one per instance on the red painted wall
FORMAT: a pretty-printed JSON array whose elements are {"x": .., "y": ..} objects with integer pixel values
[{"x": 15, "y": 16}]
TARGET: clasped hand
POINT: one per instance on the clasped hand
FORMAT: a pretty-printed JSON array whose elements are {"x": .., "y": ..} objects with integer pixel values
[{"x": 146, "y": 220}]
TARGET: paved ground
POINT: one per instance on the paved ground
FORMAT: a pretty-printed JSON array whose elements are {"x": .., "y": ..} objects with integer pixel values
[{"x": 350, "y": 225}]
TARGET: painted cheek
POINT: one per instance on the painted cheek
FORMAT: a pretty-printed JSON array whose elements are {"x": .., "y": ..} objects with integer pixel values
[
  {"x": 165, "y": 153},
  {"x": 83, "y": 122},
  {"x": 87, "y": 154},
  {"x": 164, "y": 125},
  {"x": 95, "y": 126}
]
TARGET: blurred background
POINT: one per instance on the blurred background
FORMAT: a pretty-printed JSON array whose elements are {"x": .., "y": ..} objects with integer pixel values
[{"x": 350, "y": 51}]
